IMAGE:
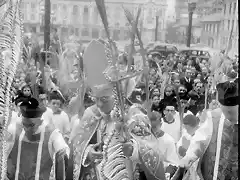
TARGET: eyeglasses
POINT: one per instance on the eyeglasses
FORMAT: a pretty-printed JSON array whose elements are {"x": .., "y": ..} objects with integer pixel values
[
  {"x": 169, "y": 110},
  {"x": 103, "y": 99},
  {"x": 182, "y": 90}
]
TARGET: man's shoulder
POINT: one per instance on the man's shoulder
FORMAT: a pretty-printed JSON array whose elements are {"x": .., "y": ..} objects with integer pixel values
[
  {"x": 49, "y": 128},
  {"x": 168, "y": 138},
  {"x": 216, "y": 115},
  {"x": 64, "y": 114},
  {"x": 92, "y": 110}
]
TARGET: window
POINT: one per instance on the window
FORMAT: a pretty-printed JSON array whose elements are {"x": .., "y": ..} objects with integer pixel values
[
  {"x": 117, "y": 24},
  {"x": 126, "y": 34},
  {"x": 95, "y": 16},
  {"x": 160, "y": 26},
  {"x": 22, "y": 5},
  {"x": 64, "y": 8},
  {"x": 230, "y": 8},
  {"x": 237, "y": 23},
  {"x": 42, "y": 19},
  {"x": 228, "y": 26},
  {"x": 116, "y": 34},
  {"x": 75, "y": 10},
  {"x": 32, "y": 17},
  {"x": 95, "y": 33},
  {"x": 150, "y": 16},
  {"x": 210, "y": 28},
  {"x": 76, "y": 32},
  {"x": 160, "y": 13},
  {"x": 34, "y": 29},
  {"x": 85, "y": 32},
  {"x": 234, "y": 7},
  {"x": 33, "y": 6},
  {"x": 103, "y": 34},
  {"x": 85, "y": 15},
  {"x": 54, "y": 7},
  {"x": 53, "y": 19},
  {"x": 224, "y": 9},
  {"x": 117, "y": 13}
]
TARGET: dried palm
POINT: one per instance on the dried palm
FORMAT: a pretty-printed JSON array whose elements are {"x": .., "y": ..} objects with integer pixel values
[
  {"x": 130, "y": 19},
  {"x": 10, "y": 43},
  {"x": 2, "y": 2}
]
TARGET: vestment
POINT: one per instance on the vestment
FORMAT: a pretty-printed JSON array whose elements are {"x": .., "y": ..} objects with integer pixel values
[{"x": 34, "y": 158}]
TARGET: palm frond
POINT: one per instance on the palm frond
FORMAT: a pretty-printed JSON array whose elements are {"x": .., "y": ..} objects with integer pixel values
[
  {"x": 2, "y": 2},
  {"x": 103, "y": 14},
  {"x": 11, "y": 29},
  {"x": 130, "y": 19}
]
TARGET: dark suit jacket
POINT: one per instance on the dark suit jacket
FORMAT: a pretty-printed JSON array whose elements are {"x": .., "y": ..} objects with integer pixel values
[{"x": 187, "y": 84}]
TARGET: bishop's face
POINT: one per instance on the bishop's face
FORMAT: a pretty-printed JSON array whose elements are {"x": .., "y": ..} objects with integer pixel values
[{"x": 105, "y": 103}]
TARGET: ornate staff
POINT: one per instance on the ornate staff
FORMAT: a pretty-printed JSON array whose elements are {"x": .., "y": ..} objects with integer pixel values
[{"x": 102, "y": 11}]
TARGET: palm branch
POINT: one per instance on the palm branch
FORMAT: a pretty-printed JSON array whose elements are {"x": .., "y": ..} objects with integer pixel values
[
  {"x": 2, "y": 2},
  {"x": 10, "y": 40},
  {"x": 130, "y": 19},
  {"x": 102, "y": 11}
]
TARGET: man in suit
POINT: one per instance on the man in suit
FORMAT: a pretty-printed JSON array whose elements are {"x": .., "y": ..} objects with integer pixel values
[{"x": 187, "y": 80}]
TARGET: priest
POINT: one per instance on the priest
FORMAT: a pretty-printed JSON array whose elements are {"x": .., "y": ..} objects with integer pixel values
[
  {"x": 35, "y": 149},
  {"x": 213, "y": 151}
]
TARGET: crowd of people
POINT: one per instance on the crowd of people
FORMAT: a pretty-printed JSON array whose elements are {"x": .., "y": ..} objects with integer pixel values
[{"x": 181, "y": 90}]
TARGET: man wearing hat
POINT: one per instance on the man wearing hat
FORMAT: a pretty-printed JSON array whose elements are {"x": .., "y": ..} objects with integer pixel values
[
  {"x": 98, "y": 122},
  {"x": 216, "y": 142},
  {"x": 35, "y": 148}
]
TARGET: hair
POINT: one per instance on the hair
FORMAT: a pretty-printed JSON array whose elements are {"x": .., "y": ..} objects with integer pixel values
[
  {"x": 191, "y": 120},
  {"x": 154, "y": 115},
  {"x": 27, "y": 86},
  {"x": 151, "y": 92}
]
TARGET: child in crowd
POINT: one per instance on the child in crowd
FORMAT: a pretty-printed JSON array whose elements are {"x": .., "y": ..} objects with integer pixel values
[{"x": 59, "y": 119}]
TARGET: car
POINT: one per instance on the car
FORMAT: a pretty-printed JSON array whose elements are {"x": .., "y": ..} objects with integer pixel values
[
  {"x": 194, "y": 53},
  {"x": 163, "y": 48}
]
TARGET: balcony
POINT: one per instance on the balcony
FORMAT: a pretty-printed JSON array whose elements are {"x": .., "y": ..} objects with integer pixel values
[{"x": 216, "y": 17}]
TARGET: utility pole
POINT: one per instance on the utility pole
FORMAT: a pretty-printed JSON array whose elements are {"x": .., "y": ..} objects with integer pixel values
[
  {"x": 156, "y": 27},
  {"x": 191, "y": 8},
  {"x": 47, "y": 24}
]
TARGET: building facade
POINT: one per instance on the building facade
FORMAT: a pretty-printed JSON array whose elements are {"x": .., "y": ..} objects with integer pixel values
[
  {"x": 229, "y": 22},
  {"x": 211, "y": 16},
  {"x": 218, "y": 19},
  {"x": 81, "y": 18},
  {"x": 182, "y": 21}
]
